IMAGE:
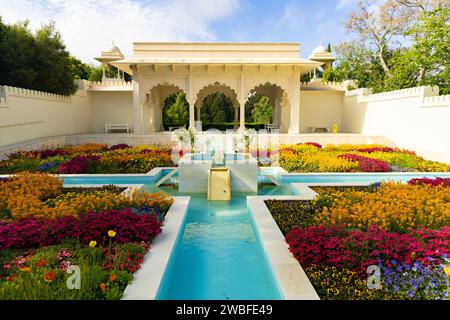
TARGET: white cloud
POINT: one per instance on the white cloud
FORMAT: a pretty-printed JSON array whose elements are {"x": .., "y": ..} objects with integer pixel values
[
  {"x": 343, "y": 3},
  {"x": 88, "y": 26},
  {"x": 293, "y": 16}
]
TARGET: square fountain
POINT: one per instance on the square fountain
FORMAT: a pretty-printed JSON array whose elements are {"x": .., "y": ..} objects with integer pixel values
[{"x": 193, "y": 170}]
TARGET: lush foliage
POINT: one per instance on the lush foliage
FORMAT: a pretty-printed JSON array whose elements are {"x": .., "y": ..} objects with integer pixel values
[
  {"x": 176, "y": 110},
  {"x": 49, "y": 68},
  {"x": 311, "y": 157},
  {"x": 262, "y": 111},
  {"x": 89, "y": 158},
  {"x": 375, "y": 60},
  {"x": 217, "y": 108}
]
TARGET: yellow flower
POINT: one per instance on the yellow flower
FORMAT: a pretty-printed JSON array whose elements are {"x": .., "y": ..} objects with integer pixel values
[
  {"x": 447, "y": 270},
  {"x": 111, "y": 233},
  {"x": 92, "y": 243}
]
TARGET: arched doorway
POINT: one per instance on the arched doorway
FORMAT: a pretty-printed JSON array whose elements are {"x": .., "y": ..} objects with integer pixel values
[
  {"x": 167, "y": 108},
  {"x": 217, "y": 107},
  {"x": 267, "y": 104},
  {"x": 175, "y": 111}
]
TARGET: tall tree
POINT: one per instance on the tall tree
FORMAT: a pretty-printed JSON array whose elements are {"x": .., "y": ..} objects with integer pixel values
[
  {"x": 178, "y": 112},
  {"x": 37, "y": 61},
  {"x": 262, "y": 112},
  {"x": 217, "y": 108},
  {"x": 378, "y": 25},
  {"x": 80, "y": 70},
  {"x": 427, "y": 61}
]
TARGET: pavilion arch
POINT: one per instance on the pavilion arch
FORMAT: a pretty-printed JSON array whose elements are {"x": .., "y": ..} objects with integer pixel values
[
  {"x": 155, "y": 98},
  {"x": 279, "y": 100},
  {"x": 214, "y": 88}
]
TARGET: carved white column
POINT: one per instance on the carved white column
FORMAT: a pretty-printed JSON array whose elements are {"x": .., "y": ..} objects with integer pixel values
[
  {"x": 191, "y": 113},
  {"x": 138, "y": 102},
  {"x": 155, "y": 121},
  {"x": 242, "y": 114},
  {"x": 199, "y": 116},
  {"x": 294, "y": 104}
]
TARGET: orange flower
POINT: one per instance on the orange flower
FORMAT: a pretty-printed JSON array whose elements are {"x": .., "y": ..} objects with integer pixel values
[
  {"x": 103, "y": 286},
  {"x": 112, "y": 277},
  {"x": 10, "y": 278},
  {"x": 40, "y": 263},
  {"x": 25, "y": 269},
  {"x": 49, "y": 276}
]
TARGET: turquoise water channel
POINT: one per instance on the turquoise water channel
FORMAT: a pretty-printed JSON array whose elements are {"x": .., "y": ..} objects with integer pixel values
[{"x": 218, "y": 254}]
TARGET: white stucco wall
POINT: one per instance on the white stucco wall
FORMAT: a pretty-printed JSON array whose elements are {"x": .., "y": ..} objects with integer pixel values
[
  {"x": 320, "y": 108},
  {"x": 110, "y": 106},
  {"x": 415, "y": 118},
  {"x": 27, "y": 114}
]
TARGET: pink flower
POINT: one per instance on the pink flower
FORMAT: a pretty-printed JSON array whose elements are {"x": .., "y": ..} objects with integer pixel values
[{"x": 64, "y": 265}]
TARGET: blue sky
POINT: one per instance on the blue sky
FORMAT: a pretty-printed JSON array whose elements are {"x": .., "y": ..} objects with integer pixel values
[
  {"x": 88, "y": 26},
  {"x": 305, "y": 21}
]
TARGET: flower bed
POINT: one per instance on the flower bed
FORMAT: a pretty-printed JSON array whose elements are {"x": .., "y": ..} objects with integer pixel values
[
  {"x": 40, "y": 196},
  {"x": 310, "y": 157},
  {"x": 402, "y": 229},
  {"x": 97, "y": 230},
  {"x": 89, "y": 158}
]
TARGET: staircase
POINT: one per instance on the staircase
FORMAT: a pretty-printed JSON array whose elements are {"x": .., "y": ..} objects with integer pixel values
[{"x": 166, "y": 177}]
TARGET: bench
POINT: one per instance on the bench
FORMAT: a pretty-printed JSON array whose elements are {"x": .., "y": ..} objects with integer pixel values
[
  {"x": 271, "y": 126},
  {"x": 319, "y": 129},
  {"x": 109, "y": 127}
]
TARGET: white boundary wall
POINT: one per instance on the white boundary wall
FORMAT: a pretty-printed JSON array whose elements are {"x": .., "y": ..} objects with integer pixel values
[
  {"x": 415, "y": 118},
  {"x": 28, "y": 114}
]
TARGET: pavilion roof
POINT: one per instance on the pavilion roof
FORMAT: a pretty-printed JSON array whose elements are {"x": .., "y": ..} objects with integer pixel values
[{"x": 305, "y": 64}]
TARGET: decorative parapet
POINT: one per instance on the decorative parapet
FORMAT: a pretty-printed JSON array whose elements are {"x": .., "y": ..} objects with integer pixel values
[
  {"x": 321, "y": 85},
  {"x": 118, "y": 85},
  {"x": 2, "y": 96},
  {"x": 32, "y": 94},
  {"x": 428, "y": 96},
  {"x": 436, "y": 101},
  {"x": 404, "y": 93}
]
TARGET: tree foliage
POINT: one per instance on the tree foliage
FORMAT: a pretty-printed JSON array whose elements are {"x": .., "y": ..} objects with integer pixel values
[
  {"x": 217, "y": 108},
  {"x": 36, "y": 61},
  {"x": 427, "y": 61},
  {"x": 376, "y": 60},
  {"x": 176, "y": 110},
  {"x": 262, "y": 111}
]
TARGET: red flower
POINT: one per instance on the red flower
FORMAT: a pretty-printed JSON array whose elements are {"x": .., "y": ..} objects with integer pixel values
[
  {"x": 49, "y": 276},
  {"x": 103, "y": 287},
  {"x": 434, "y": 182},
  {"x": 367, "y": 164},
  {"x": 40, "y": 263}
]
